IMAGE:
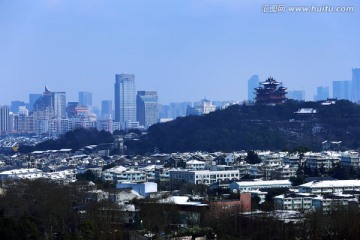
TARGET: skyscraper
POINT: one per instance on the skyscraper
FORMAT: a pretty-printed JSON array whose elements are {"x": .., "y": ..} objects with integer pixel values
[
  {"x": 106, "y": 108},
  {"x": 59, "y": 99},
  {"x": 4, "y": 119},
  {"x": 342, "y": 90},
  {"x": 147, "y": 109},
  {"x": 322, "y": 93},
  {"x": 356, "y": 84},
  {"x": 85, "y": 99},
  {"x": 125, "y": 99},
  {"x": 253, "y": 83}
]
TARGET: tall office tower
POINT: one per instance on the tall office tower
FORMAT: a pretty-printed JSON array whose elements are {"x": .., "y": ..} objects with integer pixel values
[
  {"x": 253, "y": 83},
  {"x": 125, "y": 99},
  {"x": 106, "y": 109},
  {"x": 342, "y": 90},
  {"x": 32, "y": 99},
  {"x": 298, "y": 95},
  {"x": 322, "y": 93},
  {"x": 4, "y": 119},
  {"x": 147, "y": 108},
  {"x": 59, "y": 99},
  {"x": 356, "y": 84},
  {"x": 85, "y": 99},
  {"x": 15, "y": 106}
]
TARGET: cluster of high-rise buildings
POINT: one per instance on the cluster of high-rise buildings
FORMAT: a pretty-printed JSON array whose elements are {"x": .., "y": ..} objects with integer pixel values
[
  {"x": 50, "y": 114},
  {"x": 343, "y": 89}
]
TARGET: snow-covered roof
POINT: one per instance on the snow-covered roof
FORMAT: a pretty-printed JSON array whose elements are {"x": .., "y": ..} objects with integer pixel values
[
  {"x": 194, "y": 162},
  {"x": 264, "y": 183},
  {"x": 333, "y": 183}
]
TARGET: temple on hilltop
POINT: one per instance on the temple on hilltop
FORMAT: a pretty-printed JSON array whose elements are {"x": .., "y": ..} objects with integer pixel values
[{"x": 271, "y": 92}]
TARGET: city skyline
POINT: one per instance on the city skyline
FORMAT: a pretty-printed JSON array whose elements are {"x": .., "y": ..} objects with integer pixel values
[{"x": 184, "y": 50}]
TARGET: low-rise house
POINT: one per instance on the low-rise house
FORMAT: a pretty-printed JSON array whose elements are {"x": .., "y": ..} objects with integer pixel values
[
  {"x": 96, "y": 196},
  {"x": 195, "y": 165}
]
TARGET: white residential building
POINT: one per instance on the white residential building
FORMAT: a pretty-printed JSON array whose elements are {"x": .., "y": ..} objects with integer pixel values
[
  {"x": 247, "y": 186},
  {"x": 203, "y": 177},
  {"x": 195, "y": 165},
  {"x": 294, "y": 201},
  {"x": 334, "y": 186},
  {"x": 350, "y": 159}
]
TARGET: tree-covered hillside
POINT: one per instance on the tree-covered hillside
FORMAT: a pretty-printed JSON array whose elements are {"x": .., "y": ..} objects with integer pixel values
[{"x": 257, "y": 127}]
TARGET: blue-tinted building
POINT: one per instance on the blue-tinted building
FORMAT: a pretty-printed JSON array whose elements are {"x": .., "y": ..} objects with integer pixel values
[
  {"x": 342, "y": 90},
  {"x": 125, "y": 99},
  {"x": 253, "y": 83},
  {"x": 147, "y": 108}
]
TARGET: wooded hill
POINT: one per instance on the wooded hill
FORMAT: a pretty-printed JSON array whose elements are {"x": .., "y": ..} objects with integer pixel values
[{"x": 244, "y": 127}]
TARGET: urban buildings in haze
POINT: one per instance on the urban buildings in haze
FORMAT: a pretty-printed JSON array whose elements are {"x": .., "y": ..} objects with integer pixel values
[
  {"x": 15, "y": 106},
  {"x": 4, "y": 119},
  {"x": 298, "y": 95},
  {"x": 54, "y": 102},
  {"x": 125, "y": 99},
  {"x": 85, "y": 99},
  {"x": 147, "y": 108},
  {"x": 342, "y": 90},
  {"x": 322, "y": 93},
  {"x": 356, "y": 84},
  {"x": 106, "y": 109},
  {"x": 253, "y": 83},
  {"x": 205, "y": 106}
]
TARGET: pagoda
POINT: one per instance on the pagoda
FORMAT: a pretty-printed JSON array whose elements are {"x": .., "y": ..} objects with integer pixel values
[{"x": 271, "y": 92}]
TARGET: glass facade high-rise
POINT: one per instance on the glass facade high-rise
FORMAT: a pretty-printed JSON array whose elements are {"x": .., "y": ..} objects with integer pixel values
[
  {"x": 147, "y": 108},
  {"x": 59, "y": 99},
  {"x": 4, "y": 119},
  {"x": 253, "y": 83},
  {"x": 85, "y": 99},
  {"x": 125, "y": 99},
  {"x": 32, "y": 99},
  {"x": 342, "y": 90},
  {"x": 356, "y": 84}
]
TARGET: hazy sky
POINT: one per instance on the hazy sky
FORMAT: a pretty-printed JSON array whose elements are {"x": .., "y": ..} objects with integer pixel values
[{"x": 184, "y": 49}]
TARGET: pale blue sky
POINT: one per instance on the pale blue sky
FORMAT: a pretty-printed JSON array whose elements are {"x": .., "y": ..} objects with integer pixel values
[{"x": 184, "y": 49}]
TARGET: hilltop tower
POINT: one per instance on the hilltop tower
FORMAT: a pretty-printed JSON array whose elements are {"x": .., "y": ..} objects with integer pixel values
[{"x": 271, "y": 92}]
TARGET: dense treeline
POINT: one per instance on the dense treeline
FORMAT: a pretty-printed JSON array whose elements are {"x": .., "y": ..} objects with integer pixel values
[
  {"x": 43, "y": 210},
  {"x": 39, "y": 209},
  {"x": 74, "y": 139},
  {"x": 257, "y": 127}
]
